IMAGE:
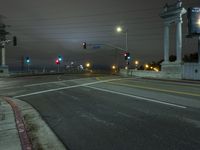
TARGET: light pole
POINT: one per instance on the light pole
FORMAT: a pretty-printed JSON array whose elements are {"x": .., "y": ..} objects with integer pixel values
[
  {"x": 126, "y": 40},
  {"x": 119, "y": 30}
]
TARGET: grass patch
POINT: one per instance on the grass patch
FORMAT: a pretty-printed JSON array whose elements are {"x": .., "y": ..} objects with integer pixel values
[{"x": 32, "y": 130}]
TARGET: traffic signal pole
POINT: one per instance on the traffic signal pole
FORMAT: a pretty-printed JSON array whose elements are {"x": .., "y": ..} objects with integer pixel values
[
  {"x": 113, "y": 46},
  {"x": 28, "y": 67},
  {"x": 58, "y": 68}
]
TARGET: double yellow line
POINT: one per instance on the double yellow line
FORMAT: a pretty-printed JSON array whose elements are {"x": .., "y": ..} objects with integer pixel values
[{"x": 156, "y": 89}]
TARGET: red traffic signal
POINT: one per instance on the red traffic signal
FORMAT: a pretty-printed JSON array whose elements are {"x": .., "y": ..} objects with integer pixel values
[
  {"x": 57, "y": 61},
  {"x": 127, "y": 56}
]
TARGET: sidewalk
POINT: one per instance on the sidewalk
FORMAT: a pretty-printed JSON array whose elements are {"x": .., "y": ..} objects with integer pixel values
[
  {"x": 22, "y": 128},
  {"x": 9, "y": 137}
]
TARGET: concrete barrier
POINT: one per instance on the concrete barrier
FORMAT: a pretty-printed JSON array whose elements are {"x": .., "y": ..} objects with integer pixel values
[
  {"x": 4, "y": 72},
  {"x": 191, "y": 71},
  {"x": 149, "y": 74}
]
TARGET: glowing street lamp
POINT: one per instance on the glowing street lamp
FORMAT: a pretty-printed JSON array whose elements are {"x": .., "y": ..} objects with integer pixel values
[
  {"x": 198, "y": 22},
  {"x": 88, "y": 65},
  {"x": 114, "y": 67},
  {"x": 136, "y": 62},
  {"x": 119, "y": 29},
  {"x": 146, "y": 66}
]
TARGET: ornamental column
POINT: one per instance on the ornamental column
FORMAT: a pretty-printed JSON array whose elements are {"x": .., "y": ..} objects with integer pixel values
[
  {"x": 166, "y": 43},
  {"x": 179, "y": 40},
  {"x": 3, "y": 64}
]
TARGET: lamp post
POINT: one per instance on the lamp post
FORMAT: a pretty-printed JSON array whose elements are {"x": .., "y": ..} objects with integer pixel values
[{"x": 119, "y": 30}]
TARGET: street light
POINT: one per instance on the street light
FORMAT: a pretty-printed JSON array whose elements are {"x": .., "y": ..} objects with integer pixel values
[
  {"x": 136, "y": 62},
  {"x": 146, "y": 66},
  {"x": 113, "y": 67},
  {"x": 198, "y": 22},
  {"x": 87, "y": 65},
  {"x": 119, "y": 29}
]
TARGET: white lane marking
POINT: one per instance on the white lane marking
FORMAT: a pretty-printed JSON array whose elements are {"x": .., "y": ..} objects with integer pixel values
[
  {"x": 64, "y": 88},
  {"x": 137, "y": 97}
]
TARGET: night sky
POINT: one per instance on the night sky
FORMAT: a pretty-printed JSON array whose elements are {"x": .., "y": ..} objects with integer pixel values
[{"x": 48, "y": 28}]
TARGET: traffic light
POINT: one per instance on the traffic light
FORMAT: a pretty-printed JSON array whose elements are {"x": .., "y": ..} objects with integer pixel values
[
  {"x": 127, "y": 56},
  {"x": 28, "y": 60},
  {"x": 57, "y": 61},
  {"x": 84, "y": 45},
  {"x": 14, "y": 41},
  {"x": 60, "y": 58}
]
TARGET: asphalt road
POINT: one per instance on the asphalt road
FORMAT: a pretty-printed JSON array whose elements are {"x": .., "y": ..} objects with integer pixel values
[{"x": 114, "y": 113}]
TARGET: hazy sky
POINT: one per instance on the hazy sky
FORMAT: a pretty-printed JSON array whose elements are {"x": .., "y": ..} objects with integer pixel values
[{"x": 47, "y": 28}]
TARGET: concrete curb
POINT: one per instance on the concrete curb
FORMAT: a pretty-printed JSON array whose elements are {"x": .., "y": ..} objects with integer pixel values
[
  {"x": 40, "y": 134},
  {"x": 25, "y": 142}
]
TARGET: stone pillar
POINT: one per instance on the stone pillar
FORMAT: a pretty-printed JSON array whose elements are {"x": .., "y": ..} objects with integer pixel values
[
  {"x": 166, "y": 43},
  {"x": 199, "y": 49},
  {"x": 3, "y": 56},
  {"x": 179, "y": 41}
]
